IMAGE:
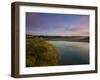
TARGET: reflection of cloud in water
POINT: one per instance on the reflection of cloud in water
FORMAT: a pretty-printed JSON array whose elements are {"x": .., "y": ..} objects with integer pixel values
[
  {"x": 82, "y": 45},
  {"x": 71, "y": 53}
]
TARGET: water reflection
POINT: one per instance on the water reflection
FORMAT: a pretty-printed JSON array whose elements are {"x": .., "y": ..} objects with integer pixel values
[{"x": 72, "y": 53}]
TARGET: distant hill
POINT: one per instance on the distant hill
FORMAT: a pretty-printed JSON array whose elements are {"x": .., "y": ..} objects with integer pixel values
[
  {"x": 62, "y": 38},
  {"x": 85, "y": 39}
]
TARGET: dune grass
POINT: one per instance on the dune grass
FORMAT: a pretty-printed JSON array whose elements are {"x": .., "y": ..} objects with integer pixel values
[{"x": 40, "y": 53}]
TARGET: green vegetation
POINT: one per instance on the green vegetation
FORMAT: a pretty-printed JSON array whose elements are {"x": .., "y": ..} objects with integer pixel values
[{"x": 40, "y": 53}]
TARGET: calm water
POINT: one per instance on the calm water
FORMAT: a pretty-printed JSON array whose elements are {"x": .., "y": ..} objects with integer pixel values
[{"x": 72, "y": 53}]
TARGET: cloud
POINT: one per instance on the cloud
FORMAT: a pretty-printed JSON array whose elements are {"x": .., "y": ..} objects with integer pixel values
[{"x": 83, "y": 31}]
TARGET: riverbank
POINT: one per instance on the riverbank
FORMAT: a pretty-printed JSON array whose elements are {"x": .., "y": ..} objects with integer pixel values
[{"x": 62, "y": 38}]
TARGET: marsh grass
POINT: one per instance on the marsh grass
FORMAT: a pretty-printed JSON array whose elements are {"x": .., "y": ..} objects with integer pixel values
[{"x": 40, "y": 53}]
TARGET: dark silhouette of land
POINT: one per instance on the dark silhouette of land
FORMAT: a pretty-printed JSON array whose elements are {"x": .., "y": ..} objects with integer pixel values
[{"x": 61, "y": 38}]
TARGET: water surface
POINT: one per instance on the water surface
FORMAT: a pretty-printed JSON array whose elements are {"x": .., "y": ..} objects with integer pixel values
[{"x": 72, "y": 53}]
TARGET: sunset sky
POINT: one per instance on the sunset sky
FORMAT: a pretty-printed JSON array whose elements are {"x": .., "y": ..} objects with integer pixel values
[{"x": 57, "y": 24}]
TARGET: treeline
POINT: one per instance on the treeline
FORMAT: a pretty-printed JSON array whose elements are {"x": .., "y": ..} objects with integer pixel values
[{"x": 62, "y": 38}]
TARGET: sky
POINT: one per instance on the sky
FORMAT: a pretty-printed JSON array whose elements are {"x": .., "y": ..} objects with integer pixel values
[{"x": 57, "y": 24}]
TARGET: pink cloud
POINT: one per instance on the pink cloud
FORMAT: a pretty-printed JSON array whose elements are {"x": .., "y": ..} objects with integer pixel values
[
  {"x": 80, "y": 30},
  {"x": 84, "y": 18}
]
